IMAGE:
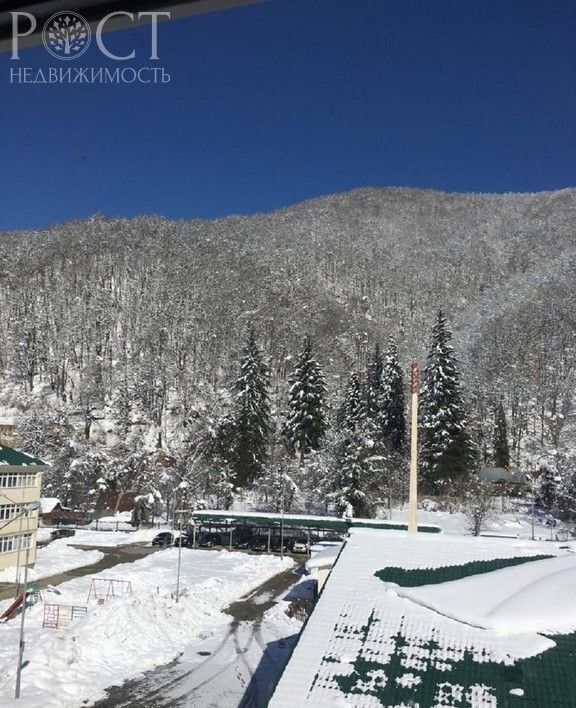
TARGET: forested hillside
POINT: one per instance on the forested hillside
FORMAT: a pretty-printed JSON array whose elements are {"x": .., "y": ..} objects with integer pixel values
[{"x": 122, "y": 336}]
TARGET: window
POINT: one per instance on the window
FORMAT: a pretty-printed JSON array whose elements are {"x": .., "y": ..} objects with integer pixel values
[
  {"x": 8, "y": 544},
  {"x": 18, "y": 480},
  {"x": 8, "y": 511}
]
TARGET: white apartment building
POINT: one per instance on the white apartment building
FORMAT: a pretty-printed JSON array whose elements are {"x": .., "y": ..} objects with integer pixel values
[{"x": 20, "y": 483}]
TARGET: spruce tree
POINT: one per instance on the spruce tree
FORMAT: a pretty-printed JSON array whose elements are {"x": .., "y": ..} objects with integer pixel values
[
  {"x": 359, "y": 456},
  {"x": 393, "y": 416},
  {"x": 374, "y": 384},
  {"x": 355, "y": 477},
  {"x": 446, "y": 449},
  {"x": 351, "y": 406},
  {"x": 252, "y": 423},
  {"x": 306, "y": 423},
  {"x": 500, "y": 441}
]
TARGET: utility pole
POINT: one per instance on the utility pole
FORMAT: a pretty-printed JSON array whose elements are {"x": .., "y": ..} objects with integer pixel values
[
  {"x": 31, "y": 506},
  {"x": 22, "y": 619},
  {"x": 413, "y": 489},
  {"x": 282, "y": 515},
  {"x": 180, "y": 513}
]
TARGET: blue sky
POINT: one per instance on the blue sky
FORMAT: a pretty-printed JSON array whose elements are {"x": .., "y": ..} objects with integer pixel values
[{"x": 290, "y": 99}]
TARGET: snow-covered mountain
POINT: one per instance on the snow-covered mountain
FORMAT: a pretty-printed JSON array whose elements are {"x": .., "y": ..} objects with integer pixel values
[{"x": 150, "y": 310}]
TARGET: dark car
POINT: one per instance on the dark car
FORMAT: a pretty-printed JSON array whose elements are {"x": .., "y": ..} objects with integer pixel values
[
  {"x": 242, "y": 544},
  {"x": 207, "y": 540},
  {"x": 259, "y": 543},
  {"x": 165, "y": 538},
  {"x": 186, "y": 540},
  {"x": 62, "y": 533},
  {"x": 278, "y": 546}
]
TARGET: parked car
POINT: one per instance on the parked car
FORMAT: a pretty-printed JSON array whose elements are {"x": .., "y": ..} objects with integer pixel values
[
  {"x": 300, "y": 545},
  {"x": 242, "y": 544},
  {"x": 164, "y": 538},
  {"x": 186, "y": 540},
  {"x": 277, "y": 546},
  {"x": 62, "y": 533},
  {"x": 259, "y": 543},
  {"x": 207, "y": 540}
]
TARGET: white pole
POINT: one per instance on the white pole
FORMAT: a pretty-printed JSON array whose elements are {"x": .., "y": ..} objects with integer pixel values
[
  {"x": 413, "y": 490},
  {"x": 17, "y": 576},
  {"x": 533, "y": 501},
  {"x": 282, "y": 522},
  {"x": 179, "y": 561},
  {"x": 23, "y": 616}
]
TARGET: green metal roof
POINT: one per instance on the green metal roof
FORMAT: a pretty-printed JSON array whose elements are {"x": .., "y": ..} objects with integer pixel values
[
  {"x": 368, "y": 646},
  {"x": 303, "y": 521},
  {"x": 9, "y": 456}
]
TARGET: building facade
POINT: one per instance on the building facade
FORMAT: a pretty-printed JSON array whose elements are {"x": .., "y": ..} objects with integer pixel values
[{"x": 20, "y": 484}]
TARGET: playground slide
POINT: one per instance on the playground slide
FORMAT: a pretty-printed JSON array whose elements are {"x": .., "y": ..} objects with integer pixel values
[{"x": 13, "y": 609}]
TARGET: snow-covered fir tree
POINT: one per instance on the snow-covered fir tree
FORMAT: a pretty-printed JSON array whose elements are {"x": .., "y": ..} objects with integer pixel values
[
  {"x": 351, "y": 406},
  {"x": 252, "y": 421},
  {"x": 306, "y": 422},
  {"x": 500, "y": 439},
  {"x": 373, "y": 388},
  {"x": 393, "y": 407},
  {"x": 446, "y": 449},
  {"x": 359, "y": 454},
  {"x": 279, "y": 486}
]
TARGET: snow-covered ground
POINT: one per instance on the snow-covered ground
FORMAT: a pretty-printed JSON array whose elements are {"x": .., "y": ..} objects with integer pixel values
[
  {"x": 130, "y": 634},
  {"x": 233, "y": 664},
  {"x": 55, "y": 558},
  {"x": 514, "y": 520}
]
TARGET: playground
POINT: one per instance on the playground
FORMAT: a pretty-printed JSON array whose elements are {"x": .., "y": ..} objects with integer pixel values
[{"x": 121, "y": 622}]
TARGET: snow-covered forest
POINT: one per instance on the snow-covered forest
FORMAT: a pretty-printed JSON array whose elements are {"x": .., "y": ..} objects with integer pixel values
[{"x": 140, "y": 353}]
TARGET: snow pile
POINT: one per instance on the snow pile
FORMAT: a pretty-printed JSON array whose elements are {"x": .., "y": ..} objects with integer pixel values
[
  {"x": 118, "y": 522},
  {"x": 539, "y": 596},
  {"x": 55, "y": 558},
  {"x": 130, "y": 634},
  {"x": 84, "y": 537},
  {"x": 43, "y": 534}
]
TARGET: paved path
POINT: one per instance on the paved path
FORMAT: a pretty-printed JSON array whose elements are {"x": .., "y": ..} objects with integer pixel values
[
  {"x": 112, "y": 556},
  {"x": 235, "y": 667}
]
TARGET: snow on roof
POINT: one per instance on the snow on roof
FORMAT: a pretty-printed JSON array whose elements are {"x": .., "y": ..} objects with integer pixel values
[
  {"x": 48, "y": 504},
  {"x": 9, "y": 456},
  {"x": 289, "y": 519},
  {"x": 324, "y": 558},
  {"x": 365, "y": 645},
  {"x": 535, "y": 597}
]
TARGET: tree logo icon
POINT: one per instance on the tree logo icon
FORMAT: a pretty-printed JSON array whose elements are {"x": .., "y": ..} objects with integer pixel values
[{"x": 66, "y": 35}]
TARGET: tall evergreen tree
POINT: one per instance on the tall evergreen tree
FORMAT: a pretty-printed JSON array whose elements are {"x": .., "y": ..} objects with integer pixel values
[
  {"x": 446, "y": 451},
  {"x": 350, "y": 409},
  {"x": 393, "y": 415},
  {"x": 306, "y": 423},
  {"x": 252, "y": 423},
  {"x": 500, "y": 441},
  {"x": 359, "y": 456},
  {"x": 374, "y": 384}
]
